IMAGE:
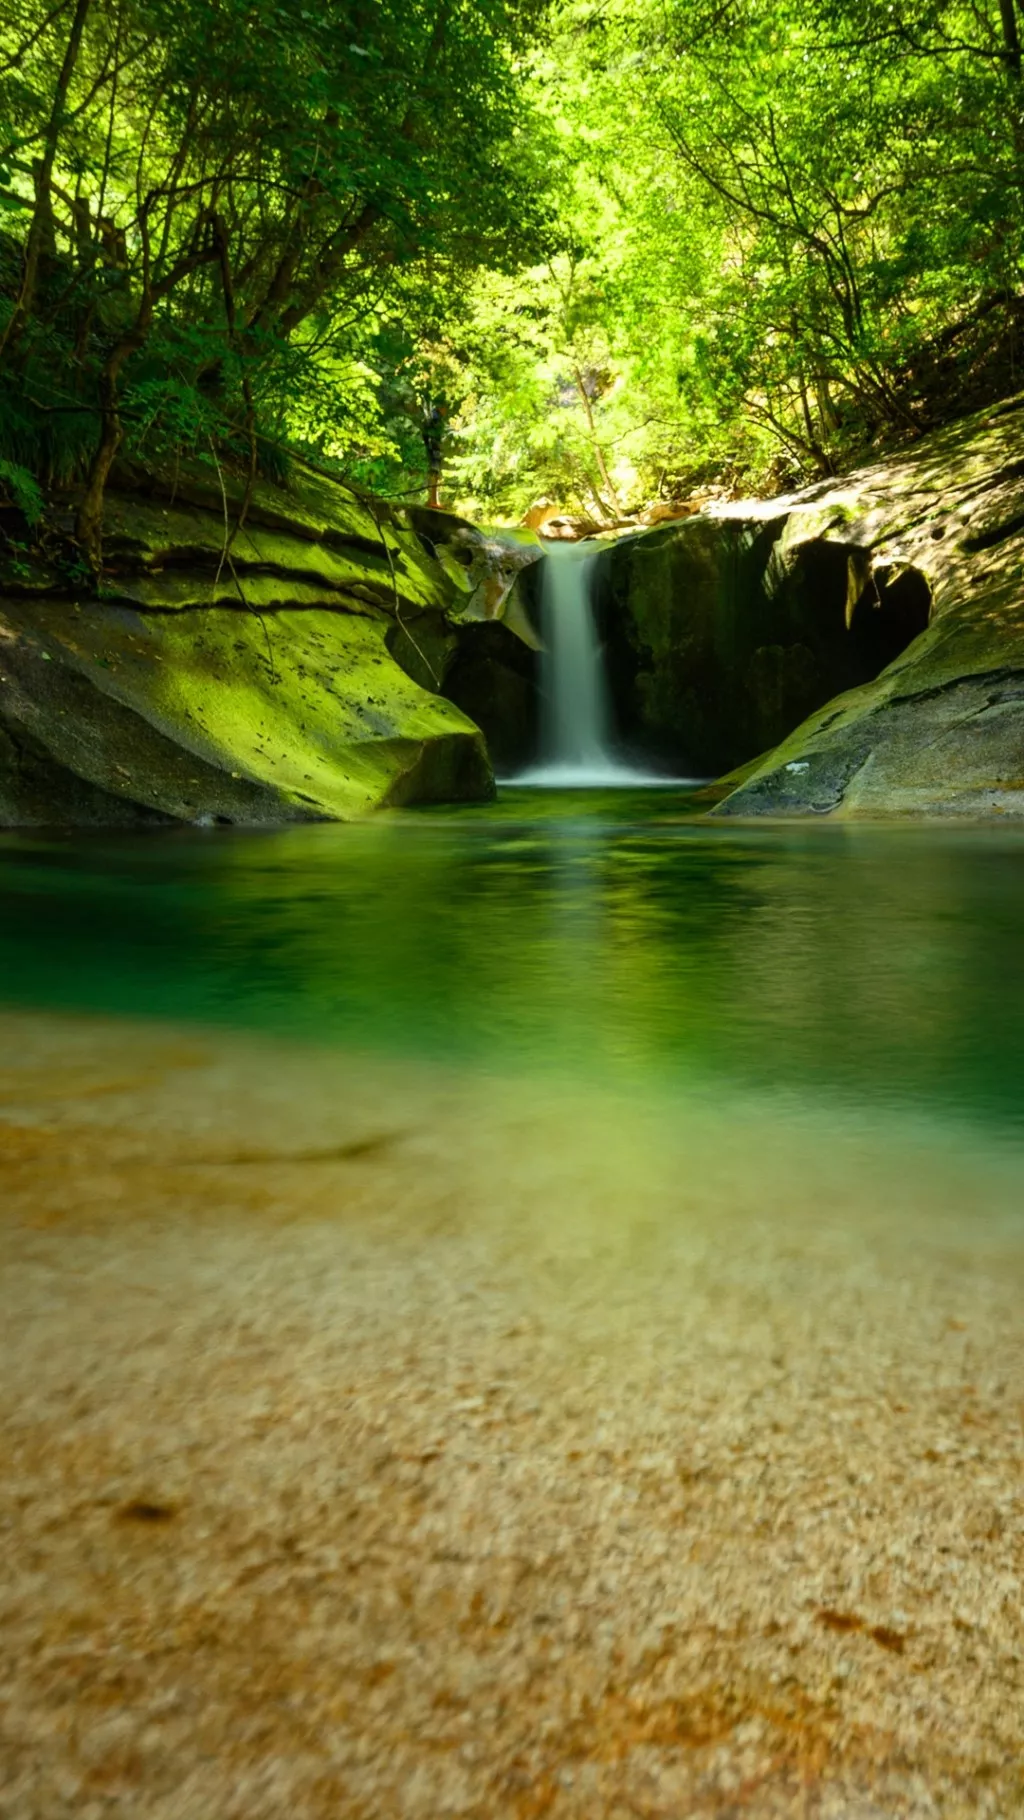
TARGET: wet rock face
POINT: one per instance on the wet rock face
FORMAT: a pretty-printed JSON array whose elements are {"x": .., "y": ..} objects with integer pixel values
[
  {"x": 34, "y": 788},
  {"x": 493, "y": 679},
  {"x": 724, "y": 633},
  {"x": 958, "y": 749},
  {"x": 940, "y": 730},
  {"x": 297, "y": 674},
  {"x": 857, "y": 648}
]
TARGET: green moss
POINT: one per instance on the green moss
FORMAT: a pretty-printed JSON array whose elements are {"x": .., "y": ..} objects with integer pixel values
[
  {"x": 311, "y": 707},
  {"x": 173, "y": 555},
  {"x": 297, "y": 676},
  {"x": 179, "y": 591}
]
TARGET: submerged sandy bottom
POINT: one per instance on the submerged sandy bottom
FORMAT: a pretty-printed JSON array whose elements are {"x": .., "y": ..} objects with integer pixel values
[{"x": 380, "y": 1441}]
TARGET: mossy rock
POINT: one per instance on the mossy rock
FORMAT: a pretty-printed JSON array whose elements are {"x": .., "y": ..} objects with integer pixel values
[
  {"x": 855, "y": 649},
  {"x": 228, "y": 716},
  {"x": 723, "y": 632},
  {"x": 289, "y": 669},
  {"x": 172, "y": 557},
  {"x": 940, "y": 732}
]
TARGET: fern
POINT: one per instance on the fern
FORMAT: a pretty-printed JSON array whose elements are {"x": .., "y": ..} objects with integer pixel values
[
  {"x": 22, "y": 490},
  {"x": 42, "y": 428}
]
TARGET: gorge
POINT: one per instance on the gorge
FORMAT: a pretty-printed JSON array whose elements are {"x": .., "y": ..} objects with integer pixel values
[{"x": 352, "y": 657}]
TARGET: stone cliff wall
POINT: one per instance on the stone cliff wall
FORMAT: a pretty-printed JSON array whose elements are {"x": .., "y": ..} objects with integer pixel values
[
  {"x": 867, "y": 632},
  {"x": 725, "y": 630}
]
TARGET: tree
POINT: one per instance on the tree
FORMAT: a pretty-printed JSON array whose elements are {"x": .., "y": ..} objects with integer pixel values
[
  {"x": 218, "y": 199},
  {"x": 801, "y": 226}
]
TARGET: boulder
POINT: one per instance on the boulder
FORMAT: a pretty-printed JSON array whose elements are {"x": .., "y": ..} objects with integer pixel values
[
  {"x": 491, "y": 670},
  {"x": 292, "y": 671},
  {"x": 493, "y": 679},
  {"x": 663, "y": 511}
]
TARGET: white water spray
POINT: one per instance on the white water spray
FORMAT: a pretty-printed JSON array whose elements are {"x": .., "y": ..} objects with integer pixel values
[{"x": 576, "y": 750}]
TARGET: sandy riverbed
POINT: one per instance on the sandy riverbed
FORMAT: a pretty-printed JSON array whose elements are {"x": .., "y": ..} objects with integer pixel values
[{"x": 381, "y": 1441}]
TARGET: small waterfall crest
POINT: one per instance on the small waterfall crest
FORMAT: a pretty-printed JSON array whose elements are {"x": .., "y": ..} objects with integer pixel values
[{"x": 576, "y": 747}]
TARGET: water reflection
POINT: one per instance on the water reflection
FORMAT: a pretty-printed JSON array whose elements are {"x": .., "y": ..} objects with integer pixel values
[{"x": 607, "y": 936}]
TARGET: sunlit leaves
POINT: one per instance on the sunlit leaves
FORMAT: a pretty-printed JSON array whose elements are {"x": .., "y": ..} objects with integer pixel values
[
  {"x": 798, "y": 229},
  {"x": 257, "y": 183}
]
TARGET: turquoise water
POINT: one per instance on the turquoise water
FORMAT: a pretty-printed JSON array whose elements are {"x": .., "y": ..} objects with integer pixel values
[{"x": 607, "y": 935}]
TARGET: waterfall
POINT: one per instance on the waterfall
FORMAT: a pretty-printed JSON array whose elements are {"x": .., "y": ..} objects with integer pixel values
[{"x": 576, "y": 748}]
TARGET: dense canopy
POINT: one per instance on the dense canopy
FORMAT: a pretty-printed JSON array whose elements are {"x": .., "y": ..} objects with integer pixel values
[{"x": 627, "y": 250}]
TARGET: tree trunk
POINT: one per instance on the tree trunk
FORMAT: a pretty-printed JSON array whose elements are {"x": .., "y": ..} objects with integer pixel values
[
  {"x": 89, "y": 522},
  {"x": 1011, "y": 38},
  {"x": 598, "y": 451},
  {"x": 41, "y": 227},
  {"x": 1012, "y": 65}
]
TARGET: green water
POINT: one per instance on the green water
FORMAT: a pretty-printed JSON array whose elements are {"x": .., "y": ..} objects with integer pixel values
[{"x": 611, "y": 935}]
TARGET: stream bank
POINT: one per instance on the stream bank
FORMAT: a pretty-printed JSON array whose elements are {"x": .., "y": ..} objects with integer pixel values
[{"x": 394, "y": 1439}]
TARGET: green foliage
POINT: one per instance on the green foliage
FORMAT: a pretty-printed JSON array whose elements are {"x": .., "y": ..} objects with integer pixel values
[
  {"x": 22, "y": 489},
  {"x": 214, "y": 206},
  {"x": 45, "y": 428},
  {"x": 797, "y": 233},
  {"x": 631, "y": 250}
]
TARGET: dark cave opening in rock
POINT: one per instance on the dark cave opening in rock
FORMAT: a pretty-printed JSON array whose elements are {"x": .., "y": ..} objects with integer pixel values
[
  {"x": 892, "y": 611},
  {"x": 493, "y": 679}
]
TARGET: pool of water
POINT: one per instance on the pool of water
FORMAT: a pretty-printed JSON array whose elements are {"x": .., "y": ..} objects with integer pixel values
[
  {"x": 543, "y": 1279},
  {"x": 610, "y": 936}
]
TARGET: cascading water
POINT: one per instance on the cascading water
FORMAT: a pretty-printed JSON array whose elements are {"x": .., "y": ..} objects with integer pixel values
[{"x": 576, "y": 750}]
